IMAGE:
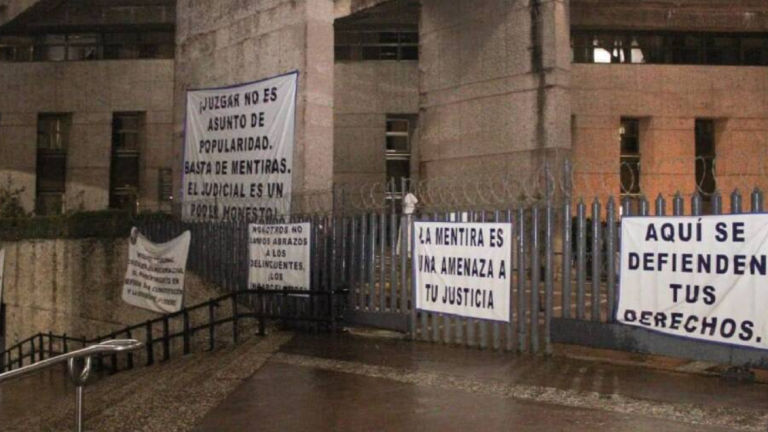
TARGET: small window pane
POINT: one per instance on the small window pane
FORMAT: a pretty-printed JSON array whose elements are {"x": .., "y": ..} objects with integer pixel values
[
  {"x": 397, "y": 125},
  {"x": 397, "y": 143},
  {"x": 409, "y": 53},
  {"x": 389, "y": 38},
  {"x": 409, "y": 38},
  {"x": 388, "y": 53},
  {"x": 371, "y": 53}
]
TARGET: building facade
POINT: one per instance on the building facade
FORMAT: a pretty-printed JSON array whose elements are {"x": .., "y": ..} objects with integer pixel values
[{"x": 641, "y": 97}]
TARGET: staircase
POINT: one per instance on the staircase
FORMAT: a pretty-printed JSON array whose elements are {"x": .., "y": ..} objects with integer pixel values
[{"x": 168, "y": 396}]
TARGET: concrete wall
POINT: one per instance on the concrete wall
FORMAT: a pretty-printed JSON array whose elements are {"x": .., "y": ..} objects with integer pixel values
[
  {"x": 91, "y": 92},
  {"x": 494, "y": 85},
  {"x": 668, "y": 100},
  {"x": 74, "y": 287},
  {"x": 365, "y": 92},
  {"x": 229, "y": 42}
]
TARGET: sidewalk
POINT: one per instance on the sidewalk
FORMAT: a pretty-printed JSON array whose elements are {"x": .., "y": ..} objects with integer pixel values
[{"x": 340, "y": 383}]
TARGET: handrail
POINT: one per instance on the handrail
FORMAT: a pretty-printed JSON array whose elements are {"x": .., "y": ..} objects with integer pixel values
[
  {"x": 110, "y": 347},
  {"x": 77, "y": 373}
]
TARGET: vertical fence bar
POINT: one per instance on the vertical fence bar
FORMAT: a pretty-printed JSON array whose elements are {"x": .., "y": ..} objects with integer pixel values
[
  {"x": 372, "y": 264},
  {"x": 496, "y": 324},
  {"x": 661, "y": 205},
  {"x": 717, "y": 203},
  {"x": 166, "y": 339},
  {"x": 483, "y": 323},
  {"x": 596, "y": 261},
  {"x": 510, "y": 327},
  {"x": 757, "y": 201},
  {"x": 535, "y": 278},
  {"x": 423, "y": 314},
  {"x": 405, "y": 249},
  {"x": 41, "y": 350},
  {"x": 235, "y": 316},
  {"x": 678, "y": 205},
  {"x": 393, "y": 286},
  {"x": 736, "y": 202},
  {"x": 129, "y": 356},
  {"x": 362, "y": 285},
  {"x": 150, "y": 344},
  {"x": 644, "y": 206},
  {"x": 383, "y": 262},
  {"x": 567, "y": 264},
  {"x": 187, "y": 336},
  {"x": 521, "y": 303},
  {"x": 610, "y": 235},
  {"x": 549, "y": 275},
  {"x": 211, "y": 326},
  {"x": 447, "y": 320},
  {"x": 581, "y": 259},
  {"x": 696, "y": 204},
  {"x": 435, "y": 317},
  {"x": 334, "y": 270},
  {"x": 353, "y": 291},
  {"x": 467, "y": 323}
]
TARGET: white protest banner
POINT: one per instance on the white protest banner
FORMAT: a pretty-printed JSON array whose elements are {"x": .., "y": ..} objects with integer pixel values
[
  {"x": 155, "y": 276},
  {"x": 238, "y": 150},
  {"x": 696, "y": 277},
  {"x": 2, "y": 272},
  {"x": 279, "y": 256},
  {"x": 463, "y": 268}
]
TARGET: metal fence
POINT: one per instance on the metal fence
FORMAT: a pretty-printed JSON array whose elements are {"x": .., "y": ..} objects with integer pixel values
[
  {"x": 566, "y": 220},
  {"x": 565, "y": 255}
]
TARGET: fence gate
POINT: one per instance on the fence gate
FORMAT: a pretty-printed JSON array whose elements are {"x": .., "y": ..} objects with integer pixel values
[{"x": 371, "y": 256}]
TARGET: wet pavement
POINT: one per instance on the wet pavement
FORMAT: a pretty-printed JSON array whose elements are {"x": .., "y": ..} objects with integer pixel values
[{"x": 340, "y": 383}]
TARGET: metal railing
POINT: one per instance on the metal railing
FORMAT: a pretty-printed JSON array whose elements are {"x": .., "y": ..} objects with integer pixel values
[
  {"x": 78, "y": 373},
  {"x": 313, "y": 307}
]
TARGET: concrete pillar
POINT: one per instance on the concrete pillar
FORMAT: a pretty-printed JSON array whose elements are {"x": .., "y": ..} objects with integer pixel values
[
  {"x": 494, "y": 85},
  {"x": 229, "y": 42}
]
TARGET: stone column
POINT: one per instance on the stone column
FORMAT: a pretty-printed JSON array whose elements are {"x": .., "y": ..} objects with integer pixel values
[
  {"x": 229, "y": 42},
  {"x": 494, "y": 85}
]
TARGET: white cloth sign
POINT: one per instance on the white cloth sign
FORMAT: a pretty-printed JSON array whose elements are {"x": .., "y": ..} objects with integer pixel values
[
  {"x": 696, "y": 277},
  {"x": 2, "y": 273},
  {"x": 463, "y": 269},
  {"x": 238, "y": 150},
  {"x": 155, "y": 276},
  {"x": 279, "y": 256}
]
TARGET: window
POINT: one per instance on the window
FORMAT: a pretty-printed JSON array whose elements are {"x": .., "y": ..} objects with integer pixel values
[
  {"x": 398, "y": 154},
  {"x": 52, "y": 143},
  {"x": 692, "y": 48},
  {"x": 165, "y": 185},
  {"x": 705, "y": 162},
  {"x": 395, "y": 45},
  {"x": 88, "y": 46},
  {"x": 124, "y": 172},
  {"x": 630, "y": 158}
]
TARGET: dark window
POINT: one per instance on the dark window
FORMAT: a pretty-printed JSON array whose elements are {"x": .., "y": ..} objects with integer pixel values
[
  {"x": 52, "y": 144},
  {"x": 398, "y": 154},
  {"x": 88, "y": 46},
  {"x": 630, "y": 157},
  {"x": 706, "y": 183},
  {"x": 124, "y": 172},
  {"x": 395, "y": 45},
  {"x": 165, "y": 185},
  {"x": 602, "y": 46}
]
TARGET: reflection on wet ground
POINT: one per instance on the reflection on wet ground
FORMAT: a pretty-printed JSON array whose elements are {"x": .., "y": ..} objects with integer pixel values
[{"x": 330, "y": 383}]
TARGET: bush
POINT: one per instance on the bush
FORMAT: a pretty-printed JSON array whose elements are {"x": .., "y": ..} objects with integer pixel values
[{"x": 95, "y": 224}]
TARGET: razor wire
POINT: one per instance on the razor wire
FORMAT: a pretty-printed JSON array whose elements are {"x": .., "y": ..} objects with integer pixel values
[{"x": 501, "y": 185}]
